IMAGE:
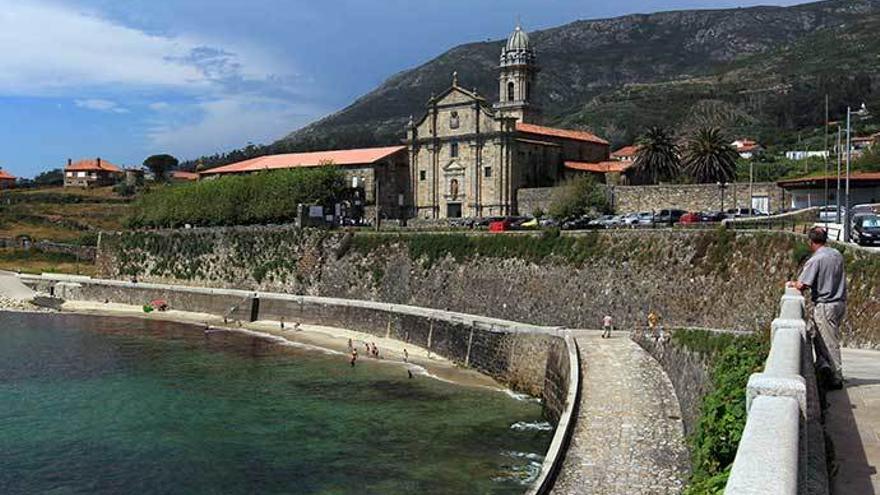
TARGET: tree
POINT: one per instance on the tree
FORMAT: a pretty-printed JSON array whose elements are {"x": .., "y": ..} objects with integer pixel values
[
  {"x": 578, "y": 197},
  {"x": 54, "y": 177},
  {"x": 709, "y": 157},
  {"x": 658, "y": 157},
  {"x": 160, "y": 165}
]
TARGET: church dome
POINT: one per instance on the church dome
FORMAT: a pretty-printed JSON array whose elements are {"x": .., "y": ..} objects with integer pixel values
[{"x": 518, "y": 40}]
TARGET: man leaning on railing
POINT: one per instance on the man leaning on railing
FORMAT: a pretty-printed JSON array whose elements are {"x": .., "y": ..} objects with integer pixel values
[{"x": 824, "y": 275}]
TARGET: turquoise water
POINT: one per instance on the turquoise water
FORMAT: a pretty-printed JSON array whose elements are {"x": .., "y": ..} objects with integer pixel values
[{"x": 103, "y": 405}]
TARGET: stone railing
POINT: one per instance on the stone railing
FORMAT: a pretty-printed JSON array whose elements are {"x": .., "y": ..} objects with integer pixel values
[{"x": 782, "y": 450}]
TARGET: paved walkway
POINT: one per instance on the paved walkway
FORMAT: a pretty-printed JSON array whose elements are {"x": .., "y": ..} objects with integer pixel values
[
  {"x": 629, "y": 437},
  {"x": 853, "y": 423}
]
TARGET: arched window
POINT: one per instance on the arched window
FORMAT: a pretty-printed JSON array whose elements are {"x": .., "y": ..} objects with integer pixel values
[{"x": 511, "y": 89}]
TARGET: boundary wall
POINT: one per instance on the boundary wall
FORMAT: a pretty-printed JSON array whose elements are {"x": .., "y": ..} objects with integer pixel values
[{"x": 540, "y": 361}]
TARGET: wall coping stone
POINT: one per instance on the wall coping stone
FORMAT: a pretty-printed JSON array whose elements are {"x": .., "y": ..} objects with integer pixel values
[
  {"x": 772, "y": 449},
  {"x": 564, "y": 428},
  {"x": 767, "y": 458}
]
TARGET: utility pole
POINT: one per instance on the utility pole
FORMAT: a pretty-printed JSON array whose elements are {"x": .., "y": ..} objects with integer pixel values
[
  {"x": 826, "y": 153},
  {"x": 839, "y": 161},
  {"x": 846, "y": 218},
  {"x": 751, "y": 185}
]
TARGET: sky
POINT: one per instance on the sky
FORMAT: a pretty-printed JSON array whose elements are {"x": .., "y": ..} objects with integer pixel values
[{"x": 125, "y": 79}]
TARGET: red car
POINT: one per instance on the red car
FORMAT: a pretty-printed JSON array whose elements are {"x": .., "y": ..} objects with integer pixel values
[
  {"x": 689, "y": 218},
  {"x": 500, "y": 225}
]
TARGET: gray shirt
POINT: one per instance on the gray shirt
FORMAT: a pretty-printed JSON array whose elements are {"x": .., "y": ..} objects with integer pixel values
[{"x": 824, "y": 273}]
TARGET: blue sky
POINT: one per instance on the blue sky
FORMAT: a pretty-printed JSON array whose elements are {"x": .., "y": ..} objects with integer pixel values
[{"x": 126, "y": 79}]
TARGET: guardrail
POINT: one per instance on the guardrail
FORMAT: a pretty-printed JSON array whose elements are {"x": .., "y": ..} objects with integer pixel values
[
  {"x": 790, "y": 221},
  {"x": 772, "y": 451}
]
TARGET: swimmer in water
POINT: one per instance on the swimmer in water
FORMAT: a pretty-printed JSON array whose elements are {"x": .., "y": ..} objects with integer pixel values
[{"x": 354, "y": 357}]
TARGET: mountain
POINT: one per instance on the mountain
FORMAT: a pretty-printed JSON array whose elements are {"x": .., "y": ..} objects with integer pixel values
[{"x": 756, "y": 71}]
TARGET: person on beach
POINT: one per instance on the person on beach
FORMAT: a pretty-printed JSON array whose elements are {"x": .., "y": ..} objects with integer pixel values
[
  {"x": 405, "y": 356},
  {"x": 282, "y": 323},
  {"x": 350, "y": 345},
  {"x": 824, "y": 275},
  {"x": 409, "y": 372},
  {"x": 354, "y": 357},
  {"x": 606, "y": 327},
  {"x": 296, "y": 327}
]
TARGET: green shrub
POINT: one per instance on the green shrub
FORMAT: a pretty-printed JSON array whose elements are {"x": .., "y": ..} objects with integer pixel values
[
  {"x": 267, "y": 197},
  {"x": 723, "y": 412},
  {"x": 578, "y": 197}
]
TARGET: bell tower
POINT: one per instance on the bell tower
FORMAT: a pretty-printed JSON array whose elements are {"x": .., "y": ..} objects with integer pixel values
[{"x": 517, "y": 78}]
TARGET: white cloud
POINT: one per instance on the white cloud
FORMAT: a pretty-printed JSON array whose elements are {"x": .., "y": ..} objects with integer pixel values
[
  {"x": 100, "y": 105},
  {"x": 230, "y": 121},
  {"x": 223, "y": 96},
  {"x": 49, "y": 49}
]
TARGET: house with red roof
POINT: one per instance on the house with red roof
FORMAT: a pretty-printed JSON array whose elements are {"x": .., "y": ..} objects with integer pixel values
[
  {"x": 7, "y": 180},
  {"x": 626, "y": 154},
  {"x": 747, "y": 148},
  {"x": 91, "y": 173},
  {"x": 371, "y": 174}
]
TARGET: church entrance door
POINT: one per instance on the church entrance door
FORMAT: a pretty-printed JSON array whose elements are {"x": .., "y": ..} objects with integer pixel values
[{"x": 453, "y": 210}]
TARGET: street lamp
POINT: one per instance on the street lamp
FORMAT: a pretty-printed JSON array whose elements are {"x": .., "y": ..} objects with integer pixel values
[
  {"x": 722, "y": 186},
  {"x": 861, "y": 112}
]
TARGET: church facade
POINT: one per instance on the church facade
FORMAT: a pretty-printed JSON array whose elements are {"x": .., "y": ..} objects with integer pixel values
[{"x": 468, "y": 157}]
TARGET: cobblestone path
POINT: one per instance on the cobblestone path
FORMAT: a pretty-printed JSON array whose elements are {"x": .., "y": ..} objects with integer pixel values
[{"x": 629, "y": 437}]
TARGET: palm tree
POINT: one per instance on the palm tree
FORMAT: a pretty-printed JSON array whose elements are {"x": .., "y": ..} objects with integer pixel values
[
  {"x": 657, "y": 158},
  {"x": 709, "y": 157}
]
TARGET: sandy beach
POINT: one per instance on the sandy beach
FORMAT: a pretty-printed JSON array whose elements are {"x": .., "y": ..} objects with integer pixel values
[{"x": 322, "y": 339}]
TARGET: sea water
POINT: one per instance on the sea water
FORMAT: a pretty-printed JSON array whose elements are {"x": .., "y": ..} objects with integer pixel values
[{"x": 129, "y": 406}]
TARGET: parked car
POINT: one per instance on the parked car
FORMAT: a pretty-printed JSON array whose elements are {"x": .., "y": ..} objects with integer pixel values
[
  {"x": 862, "y": 208},
  {"x": 712, "y": 216},
  {"x": 629, "y": 219},
  {"x": 690, "y": 218},
  {"x": 829, "y": 214},
  {"x": 578, "y": 224},
  {"x": 548, "y": 222},
  {"x": 866, "y": 228},
  {"x": 668, "y": 217},
  {"x": 744, "y": 212},
  {"x": 645, "y": 218},
  {"x": 602, "y": 222},
  {"x": 529, "y": 223}
]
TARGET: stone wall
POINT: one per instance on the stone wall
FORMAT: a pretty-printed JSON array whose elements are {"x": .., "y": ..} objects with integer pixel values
[
  {"x": 693, "y": 197},
  {"x": 515, "y": 355},
  {"x": 687, "y": 370},
  {"x": 531, "y": 200},
  {"x": 713, "y": 279}
]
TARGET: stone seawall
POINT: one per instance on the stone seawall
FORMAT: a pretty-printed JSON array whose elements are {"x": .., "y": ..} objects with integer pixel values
[
  {"x": 714, "y": 279},
  {"x": 526, "y": 358},
  {"x": 688, "y": 371}
]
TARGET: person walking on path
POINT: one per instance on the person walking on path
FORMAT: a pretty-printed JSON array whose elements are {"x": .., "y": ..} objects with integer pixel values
[
  {"x": 653, "y": 320},
  {"x": 824, "y": 275},
  {"x": 607, "y": 324}
]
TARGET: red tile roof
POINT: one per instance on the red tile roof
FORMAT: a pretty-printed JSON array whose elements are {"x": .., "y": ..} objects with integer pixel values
[
  {"x": 182, "y": 175},
  {"x": 559, "y": 133},
  {"x": 4, "y": 175},
  {"x": 627, "y": 152},
  {"x": 746, "y": 145},
  {"x": 854, "y": 177},
  {"x": 601, "y": 167},
  {"x": 311, "y": 159},
  {"x": 92, "y": 166}
]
